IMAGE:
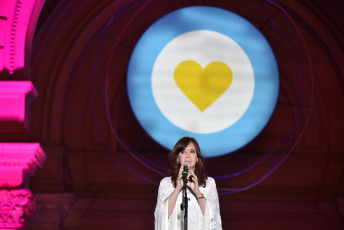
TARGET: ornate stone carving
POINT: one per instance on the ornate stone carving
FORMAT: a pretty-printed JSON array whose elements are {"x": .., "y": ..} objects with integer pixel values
[
  {"x": 18, "y": 20},
  {"x": 16, "y": 207}
]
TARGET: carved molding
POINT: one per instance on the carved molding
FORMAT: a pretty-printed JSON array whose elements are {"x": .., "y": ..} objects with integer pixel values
[
  {"x": 13, "y": 36},
  {"x": 18, "y": 161},
  {"x": 18, "y": 22},
  {"x": 16, "y": 207}
]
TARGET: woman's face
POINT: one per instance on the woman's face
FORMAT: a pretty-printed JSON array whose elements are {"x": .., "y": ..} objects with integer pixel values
[{"x": 188, "y": 156}]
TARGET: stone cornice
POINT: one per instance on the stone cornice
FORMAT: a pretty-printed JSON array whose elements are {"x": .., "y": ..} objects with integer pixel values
[
  {"x": 18, "y": 161},
  {"x": 15, "y": 98}
]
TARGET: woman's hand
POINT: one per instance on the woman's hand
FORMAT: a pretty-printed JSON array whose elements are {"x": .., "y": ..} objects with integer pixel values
[
  {"x": 174, "y": 195},
  {"x": 193, "y": 185},
  {"x": 180, "y": 183}
]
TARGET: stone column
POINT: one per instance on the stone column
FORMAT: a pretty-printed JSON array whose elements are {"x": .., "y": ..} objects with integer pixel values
[{"x": 18, "y": 160}]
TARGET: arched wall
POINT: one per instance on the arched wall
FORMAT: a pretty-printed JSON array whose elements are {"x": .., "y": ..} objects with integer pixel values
[{"x": 65, "y": 52}]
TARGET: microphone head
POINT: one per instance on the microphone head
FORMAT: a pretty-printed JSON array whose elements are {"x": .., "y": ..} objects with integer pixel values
[{"x": 185, "y": 170}]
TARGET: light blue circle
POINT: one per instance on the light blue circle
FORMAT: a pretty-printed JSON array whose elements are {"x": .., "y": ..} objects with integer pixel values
[{"x": 184, "y": 20}]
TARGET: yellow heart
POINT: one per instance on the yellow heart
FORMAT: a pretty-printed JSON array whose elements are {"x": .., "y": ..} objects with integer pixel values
[{"x": 203, "y": 86}]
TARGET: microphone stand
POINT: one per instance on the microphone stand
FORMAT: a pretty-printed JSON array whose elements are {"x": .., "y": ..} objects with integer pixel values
[{"x": 184, "y": 205}]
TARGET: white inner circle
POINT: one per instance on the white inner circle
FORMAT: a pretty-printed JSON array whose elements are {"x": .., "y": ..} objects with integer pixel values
[{"x": 204, "y": 47}]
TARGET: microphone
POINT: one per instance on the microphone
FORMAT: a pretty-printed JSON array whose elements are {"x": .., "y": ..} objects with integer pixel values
[{"x": 185, "y": 171}]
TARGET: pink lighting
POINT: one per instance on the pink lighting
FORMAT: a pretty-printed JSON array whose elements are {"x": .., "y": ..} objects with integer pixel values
[
  {"x": 17, "y": 22},
  {"x": 18, "y": 161},
  {"x": 16, "y": 207},
  {"x": 15, "y": 97}
]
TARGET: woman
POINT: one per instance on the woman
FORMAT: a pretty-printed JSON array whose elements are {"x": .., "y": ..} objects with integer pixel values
[{"x": 203, "y": 206}]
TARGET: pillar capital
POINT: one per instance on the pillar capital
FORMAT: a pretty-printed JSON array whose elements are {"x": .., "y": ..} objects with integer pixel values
[
  {"x": 18, "y": 161},
  {"x": 15, "y": 99}
]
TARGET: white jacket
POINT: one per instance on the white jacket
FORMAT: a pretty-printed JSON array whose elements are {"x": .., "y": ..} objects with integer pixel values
[{"x": 211, "y": 220}]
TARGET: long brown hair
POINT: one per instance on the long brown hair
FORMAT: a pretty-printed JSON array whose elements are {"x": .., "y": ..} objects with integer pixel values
[{"x": 199, "y": 167}]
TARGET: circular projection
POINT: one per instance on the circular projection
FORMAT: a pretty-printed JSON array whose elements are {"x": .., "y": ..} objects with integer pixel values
[{"x": 203, "y": 72}]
